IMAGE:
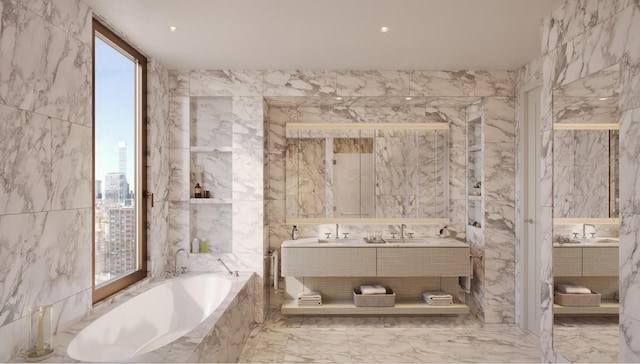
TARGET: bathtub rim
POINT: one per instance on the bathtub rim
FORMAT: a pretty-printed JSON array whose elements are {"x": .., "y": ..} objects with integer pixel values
[{"x": 63, "y": 338}]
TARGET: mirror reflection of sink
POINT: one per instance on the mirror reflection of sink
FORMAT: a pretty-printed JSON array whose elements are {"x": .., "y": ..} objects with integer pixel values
[
  {"x": 339, "y": 241},
  {"x": 400, "y": 241}
]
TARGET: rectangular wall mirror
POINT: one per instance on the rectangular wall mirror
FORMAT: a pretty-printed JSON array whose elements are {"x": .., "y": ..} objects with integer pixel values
[{"x": 368, "y": 173}]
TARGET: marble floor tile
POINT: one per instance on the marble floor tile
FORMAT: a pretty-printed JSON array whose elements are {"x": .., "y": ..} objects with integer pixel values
[
  {"x": 587, "y": 339},
  {"x": 387, "y": 340}
]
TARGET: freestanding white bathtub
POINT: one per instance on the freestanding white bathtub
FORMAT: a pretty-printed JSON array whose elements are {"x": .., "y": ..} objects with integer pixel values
[{"x": 151, "y": 320}]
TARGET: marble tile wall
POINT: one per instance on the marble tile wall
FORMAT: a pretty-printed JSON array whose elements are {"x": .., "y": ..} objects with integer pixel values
[
  {"x": 45, "y": 144},
  {"x": 46, "y": 200},
  {"x": 578, "y": 39}
]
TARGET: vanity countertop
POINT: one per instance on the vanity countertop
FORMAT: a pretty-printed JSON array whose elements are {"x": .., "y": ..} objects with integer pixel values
[
  {"x": 597, "y": 242},
  {"x": 356, "y": 243}
]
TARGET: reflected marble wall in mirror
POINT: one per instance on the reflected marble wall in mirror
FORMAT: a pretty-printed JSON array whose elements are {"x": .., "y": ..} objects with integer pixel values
[
  {"x": 371, "y": 173},
  {"x": 585, "y": 153},
  {"x": 585, "y": 190}
]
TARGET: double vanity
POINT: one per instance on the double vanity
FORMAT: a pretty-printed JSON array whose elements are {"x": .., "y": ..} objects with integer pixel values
[{"x": 408, "y": 266}]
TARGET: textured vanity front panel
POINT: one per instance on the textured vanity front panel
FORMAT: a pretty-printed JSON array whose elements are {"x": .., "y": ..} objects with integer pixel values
[
  {"x": 418, "y": 262},
  {"x": 600, "y": 261},
  {"x": 567, "y": 262},
  {"x": 333, "y": 262}
]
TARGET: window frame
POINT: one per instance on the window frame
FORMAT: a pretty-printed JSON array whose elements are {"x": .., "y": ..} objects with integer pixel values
[{"x": 140, "y": 192}]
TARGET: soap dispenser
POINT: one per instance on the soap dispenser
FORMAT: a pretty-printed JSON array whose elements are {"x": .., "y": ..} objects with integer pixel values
[{"x": 294, "y": 233}]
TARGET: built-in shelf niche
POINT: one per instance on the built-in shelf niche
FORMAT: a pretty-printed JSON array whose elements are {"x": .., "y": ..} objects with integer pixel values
[{"x": 211, "y": 162}]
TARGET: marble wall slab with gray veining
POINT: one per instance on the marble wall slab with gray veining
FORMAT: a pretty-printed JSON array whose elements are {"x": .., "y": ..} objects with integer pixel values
[{"x": 45, "y": 199}]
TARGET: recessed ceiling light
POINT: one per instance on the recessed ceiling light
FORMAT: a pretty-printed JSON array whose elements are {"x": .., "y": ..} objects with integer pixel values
[
  {"x": 384, "y": 29},
  {"x": 338, "y": 98},
  {"x": 408, "y": 98},
  {"x": 603, "y": 98},
  {"x": 173, "y": 28}
]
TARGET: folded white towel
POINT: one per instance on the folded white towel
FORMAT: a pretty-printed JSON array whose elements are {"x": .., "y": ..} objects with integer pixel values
[
  {"x": 373, "y": 289},
  {"x": 573, "y": 289},
  {"x": 309, "y": 295},
  {"x": 436, "y": 295}
]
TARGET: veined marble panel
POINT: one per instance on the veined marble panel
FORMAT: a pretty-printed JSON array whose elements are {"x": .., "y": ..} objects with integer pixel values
[
  {"x": 277, "y": 186},
  {"x": 390, "y": 166},
  {"x": 608, "y": 8},
  {"x": 246, "y": 177},
  {"x": 179, "y": 176},
  {"x": 571, "y": 19},
  {"x": 59, "y": 267},
  {"x": 179, "y": 123},
  {"x": 226, "y": 83},
  {"x": 329, "y": 114},
  {"x": 13, "y": 338},
  {"x": 499, "y": 120},
  {"x": 629, "y": 340},
  {"x": 247, "y": 122},
  {"x": 629, "y": 83},
  {"x": 494, "y": 83},
  {"x": 629, "y": 262},
  {"x": 457, "y": 173},
  {"x": 629, "y": 168},
  {"x": 442, "y": 83},
  {"x": 25, "y": 144},
  {"x": 158, "y": 104},
  {"x": 70, "y": 166},
  {"x": 247, "y": 227},
  {"x": 55, "y": 78},
  {"x": 499, "y": 218},
  {"x": 158, "y": 171},
  {"x": 179, "y": 234},
  {"x": 71, "y": 309},
  {"x": 211, "y": 120},
  {"x": 499, "y": 171},
  {"x": 74, "y": 17},
  {"x": 372, "y": 83},
  {"x": 398, "y": 114},
  {"x": 158, "y": 229},
  {"x": 299, "y": 83},
  {"x": 179, "y": 83}
]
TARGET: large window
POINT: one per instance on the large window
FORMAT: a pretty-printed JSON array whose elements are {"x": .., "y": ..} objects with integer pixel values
[{"x": 119, "y": 115}]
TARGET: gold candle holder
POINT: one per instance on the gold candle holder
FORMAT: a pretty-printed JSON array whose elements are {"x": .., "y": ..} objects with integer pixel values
[{"x": 40, "y": 333}]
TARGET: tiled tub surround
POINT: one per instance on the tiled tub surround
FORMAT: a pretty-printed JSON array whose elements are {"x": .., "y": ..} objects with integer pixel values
[
  {"x": 578, "y": 39},
  {"x": 219, "y": 338}
]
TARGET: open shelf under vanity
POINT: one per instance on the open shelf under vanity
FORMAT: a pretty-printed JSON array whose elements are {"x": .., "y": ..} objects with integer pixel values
[
  {"x": 347, "y": 307},
  {"x": 605, "y": 308}
]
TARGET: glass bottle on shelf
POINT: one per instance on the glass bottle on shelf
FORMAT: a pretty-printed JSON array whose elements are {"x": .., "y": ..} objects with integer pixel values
[{"x": 198, "y": 191}]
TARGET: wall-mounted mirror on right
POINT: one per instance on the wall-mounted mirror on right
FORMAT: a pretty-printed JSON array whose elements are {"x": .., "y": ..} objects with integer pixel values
[{"x": 586, "y": 217}]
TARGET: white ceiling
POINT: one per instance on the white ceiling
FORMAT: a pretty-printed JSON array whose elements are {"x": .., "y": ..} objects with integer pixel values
[{"x": 333, "y": 34}]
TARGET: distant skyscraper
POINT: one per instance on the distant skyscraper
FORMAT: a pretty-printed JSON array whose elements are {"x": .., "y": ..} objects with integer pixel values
[
  {"x": 122, "y": 162},
  {"x": 98, "y": 189}
]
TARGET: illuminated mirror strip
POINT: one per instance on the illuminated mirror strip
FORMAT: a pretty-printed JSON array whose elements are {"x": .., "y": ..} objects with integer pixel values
[
  {"x": 366, "y": 126},
  {"x": 360, "y": 221},
  {"x": 585, "y": 220},
  {"x": 585, "y": 126}
]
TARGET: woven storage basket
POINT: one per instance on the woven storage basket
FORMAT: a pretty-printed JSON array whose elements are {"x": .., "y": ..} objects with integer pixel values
[
  {"x": 577, "y": 300},
  {"x": 374, "y": 300}
]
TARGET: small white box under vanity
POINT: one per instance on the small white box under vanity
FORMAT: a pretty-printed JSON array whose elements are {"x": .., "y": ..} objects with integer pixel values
[{"x": 408, "y": 268}]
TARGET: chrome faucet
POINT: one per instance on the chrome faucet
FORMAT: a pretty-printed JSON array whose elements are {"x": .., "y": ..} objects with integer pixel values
[
  {"x": 584, "y": 229},
  {"x": 337, "y": 229},
  {"x": 231, "y": 273},
  {"x": 175, "y": 262},
  {"x": 402, "y": 226}
]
